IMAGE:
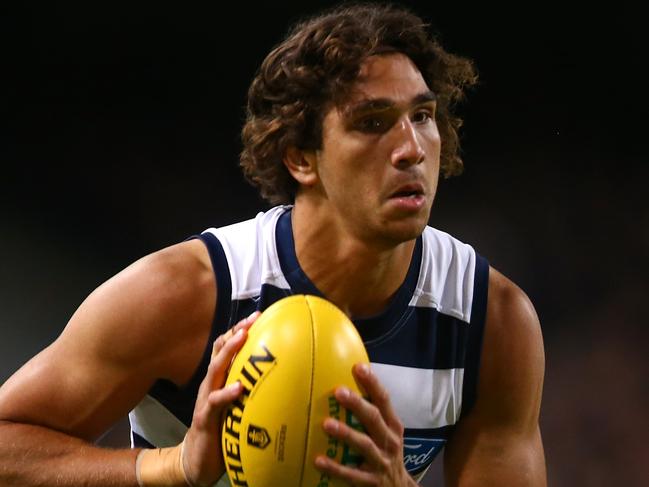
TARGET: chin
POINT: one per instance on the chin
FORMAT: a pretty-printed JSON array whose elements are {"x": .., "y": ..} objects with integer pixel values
[{"x": 397, "y": 233}]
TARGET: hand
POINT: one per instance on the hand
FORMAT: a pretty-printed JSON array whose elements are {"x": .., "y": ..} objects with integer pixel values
[
  {"x": 202, "y": 458},
  {"x": 381, "y": 447}
]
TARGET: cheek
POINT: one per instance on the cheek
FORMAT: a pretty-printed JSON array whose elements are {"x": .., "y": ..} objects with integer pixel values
[
  {"x": 434, "y": 141},
  {"x": 357, "y": 180},
  {"x": 354, "y": 162}
]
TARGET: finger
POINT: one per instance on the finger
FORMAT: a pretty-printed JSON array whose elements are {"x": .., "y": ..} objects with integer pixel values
[
  {"x": 370, "y": 417},
  {"x": 353, "y": 476},
  {"x": 219, "y": 399},
  {"x": 244, "y": 324},
  {"x": 357, "y": 440},
  {"x": 209, "y": 412},
  {"x": 379, "y": 396},
  {"x": 219, "y": 363}
]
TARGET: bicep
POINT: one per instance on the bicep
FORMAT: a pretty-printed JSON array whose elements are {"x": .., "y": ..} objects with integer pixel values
[
  {"x": 90, "y": 376},
  {"x": 150, "y": 321},
  {"x": 499, "y": 442},
  {"x": 479, "y": 456},
  {"x": 69, "y": 390}
]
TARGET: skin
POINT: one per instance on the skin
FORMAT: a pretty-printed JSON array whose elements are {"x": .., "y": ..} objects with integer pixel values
[
  {"x": 353, "y": 232},
  {"x": 345, "y": 210},
  {"x": 345, "y": 206},
  {"x": 104, "y": 362}
]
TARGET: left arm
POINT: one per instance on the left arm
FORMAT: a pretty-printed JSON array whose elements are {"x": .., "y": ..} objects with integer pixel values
[{"x": 499, "y": 442}]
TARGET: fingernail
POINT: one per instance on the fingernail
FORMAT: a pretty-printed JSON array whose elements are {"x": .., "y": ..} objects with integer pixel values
[
  {"x": 331, "y": 425},
  {"x": 320, "y": 462},
  {"x": 343, "y": 392},
  {"x": 235, "y": 386},
  {"x": 364, "y": 369},
  {"x": 239, "y": 332},
  {"x": 251, "y": 315}
]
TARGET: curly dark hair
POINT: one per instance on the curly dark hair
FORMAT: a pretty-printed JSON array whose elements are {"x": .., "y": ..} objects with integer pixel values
[{"x": 314, "y": 68}]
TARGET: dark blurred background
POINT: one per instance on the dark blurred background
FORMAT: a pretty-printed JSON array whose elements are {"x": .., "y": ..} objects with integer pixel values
[{"x": 119, "y": 136}]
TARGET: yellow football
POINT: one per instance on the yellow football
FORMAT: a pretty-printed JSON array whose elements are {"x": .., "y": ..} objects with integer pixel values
[{"x": 297, "y": 352}]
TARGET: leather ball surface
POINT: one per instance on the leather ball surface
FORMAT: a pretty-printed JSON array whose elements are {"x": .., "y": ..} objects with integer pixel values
[{"x": 297, "y": 352}]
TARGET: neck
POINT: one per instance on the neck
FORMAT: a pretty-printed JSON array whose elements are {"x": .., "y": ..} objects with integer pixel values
[{"x": 359, "y": 276}]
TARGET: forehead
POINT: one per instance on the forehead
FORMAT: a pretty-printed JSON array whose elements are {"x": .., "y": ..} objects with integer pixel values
[{"x": 391, "y": 76}]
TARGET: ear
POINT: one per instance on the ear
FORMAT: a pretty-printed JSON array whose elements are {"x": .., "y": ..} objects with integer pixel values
[{"x": 302, "y": 165}]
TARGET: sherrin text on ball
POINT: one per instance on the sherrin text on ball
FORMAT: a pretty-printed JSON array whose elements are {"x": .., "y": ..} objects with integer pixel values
[{"x": 297, "y": 352}]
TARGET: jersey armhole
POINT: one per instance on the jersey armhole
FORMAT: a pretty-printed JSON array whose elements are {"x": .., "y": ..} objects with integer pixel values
[
  {"x": 180, "y": 399},
  {"x": 475, "y": 334},
  {"x": 221, "y": 320},
  {"x": 221, "y": 271}
]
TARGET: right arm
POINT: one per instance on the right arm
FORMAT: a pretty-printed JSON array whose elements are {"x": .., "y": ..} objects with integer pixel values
[{"x": 150, "y": 321}]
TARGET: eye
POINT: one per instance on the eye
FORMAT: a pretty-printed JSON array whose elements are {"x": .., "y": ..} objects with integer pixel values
[
  {"x": 371, "y": 124},
  {"x": 422, "y": 116}
]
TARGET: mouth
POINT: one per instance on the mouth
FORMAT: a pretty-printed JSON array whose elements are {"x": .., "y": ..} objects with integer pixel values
[
  {"x": 409, "y": 191},
  {"x": 409, "y": 198}
]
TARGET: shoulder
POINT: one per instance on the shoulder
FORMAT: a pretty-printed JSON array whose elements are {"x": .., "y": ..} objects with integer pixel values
[
  {"x": 169, "y": 280},
  {"x": 512, "y": 327},
  {"x": 513, "y": 361},
  {"x": 173, "y": 276}
]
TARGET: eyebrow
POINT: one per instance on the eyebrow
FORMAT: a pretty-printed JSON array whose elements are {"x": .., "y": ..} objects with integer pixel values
[{"x": 380, "y": 104}]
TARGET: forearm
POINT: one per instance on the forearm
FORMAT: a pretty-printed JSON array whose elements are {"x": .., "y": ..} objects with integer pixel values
[{"x": 37, "y": 456}]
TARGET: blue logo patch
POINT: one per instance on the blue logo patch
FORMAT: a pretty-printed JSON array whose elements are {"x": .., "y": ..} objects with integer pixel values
[{"x": 418, "y": 453}]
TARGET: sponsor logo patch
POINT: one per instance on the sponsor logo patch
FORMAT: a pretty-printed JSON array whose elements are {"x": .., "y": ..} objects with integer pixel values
[{"x": 418, "y": 453}]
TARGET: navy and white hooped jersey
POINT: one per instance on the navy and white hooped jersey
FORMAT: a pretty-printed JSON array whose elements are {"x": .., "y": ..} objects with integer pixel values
[{"x": 425, "y": 347}]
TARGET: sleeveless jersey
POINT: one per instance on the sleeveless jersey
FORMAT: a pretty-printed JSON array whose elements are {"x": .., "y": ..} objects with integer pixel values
[{"x": 425, "y": 347}]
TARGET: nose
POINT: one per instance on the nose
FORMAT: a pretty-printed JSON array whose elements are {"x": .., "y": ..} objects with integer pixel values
[{"x": 408, "y": 150}]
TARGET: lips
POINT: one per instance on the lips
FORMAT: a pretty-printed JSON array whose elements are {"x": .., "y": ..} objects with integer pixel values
[
  {"x": 410, "y": 190},
  {"x": 408, "y": 198}
]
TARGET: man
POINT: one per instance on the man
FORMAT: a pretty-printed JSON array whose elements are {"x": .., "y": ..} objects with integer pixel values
[{"x": 349, "y": 126}]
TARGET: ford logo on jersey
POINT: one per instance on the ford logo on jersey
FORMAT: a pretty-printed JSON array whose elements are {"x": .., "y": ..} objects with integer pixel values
[{"x": 418, "y": 453}]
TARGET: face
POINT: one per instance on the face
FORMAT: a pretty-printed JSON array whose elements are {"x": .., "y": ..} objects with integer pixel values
[{"x": 378, "y": 167}]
